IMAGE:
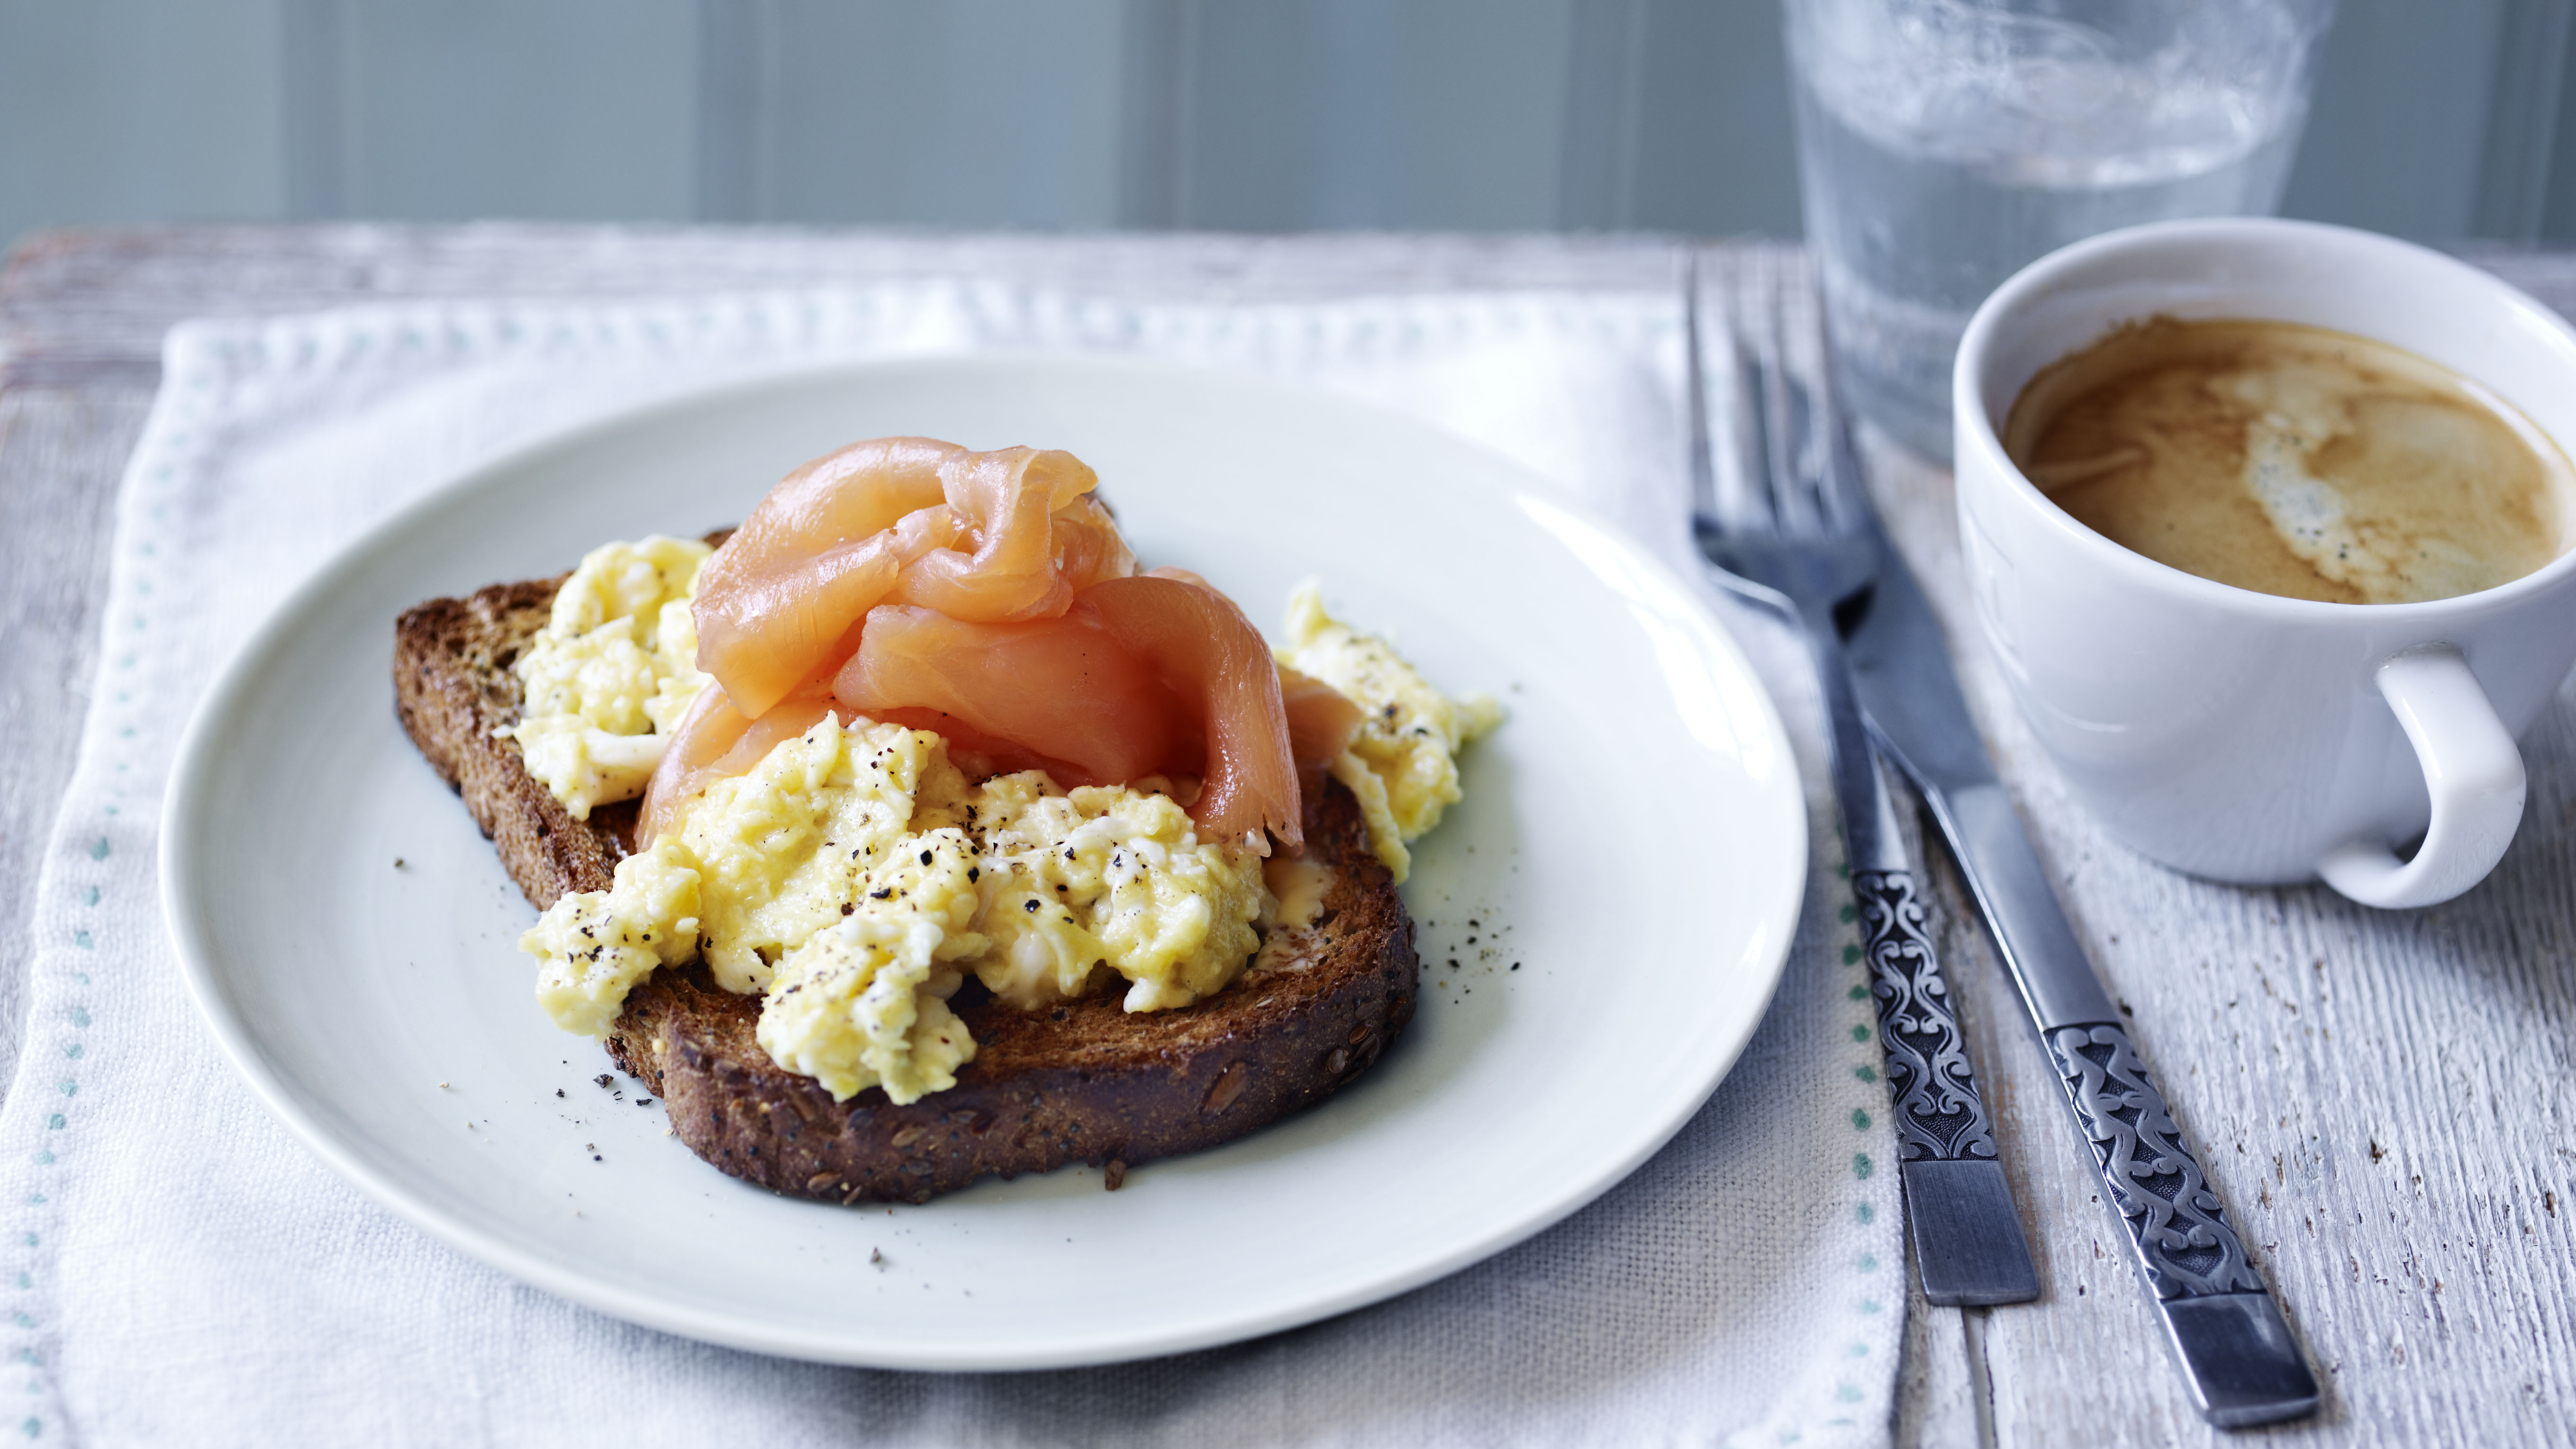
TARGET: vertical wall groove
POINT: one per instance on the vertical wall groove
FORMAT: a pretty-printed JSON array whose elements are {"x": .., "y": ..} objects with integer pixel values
[
  {"x": 2432, "y": 121},
  {"x": 2522, "y": 120},
  {"x": 2558, "y": 205},
  {"x": 1357, "y": 48},
  {"x": 1156, "y": 98},
  {"x": 315, "y": 77},
  {"x": 729, "y": 104},
  {"x": 1604, "y": 105}
]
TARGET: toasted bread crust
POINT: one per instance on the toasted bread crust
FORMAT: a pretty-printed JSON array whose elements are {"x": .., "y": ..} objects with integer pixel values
[
  {"x": 452, "y": 688},
  {"x": 1085, "y": 1081}
]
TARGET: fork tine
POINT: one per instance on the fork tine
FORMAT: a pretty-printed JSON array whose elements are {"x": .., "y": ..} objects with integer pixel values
[
  {"x": 1703, "y": 464},
  {"x": 1783, "y": 411},
  {"x": 1804, "y": 478},
  {"x": 1773, "y": 528},
  {"x": 1844, "y": 481},
  {"x": 1738, "y": 500},
  {"x": 1761, "y": 446},
  {"x": 1792, "y": 473},
  {"x": 1835, "y": 466}
]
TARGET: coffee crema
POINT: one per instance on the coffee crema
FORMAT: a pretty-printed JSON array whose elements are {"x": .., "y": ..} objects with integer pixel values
[{"x": 2294, "y": 460}]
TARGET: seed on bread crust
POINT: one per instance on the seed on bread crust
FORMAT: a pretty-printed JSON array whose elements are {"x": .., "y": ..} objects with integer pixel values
[{"x": 1085, "y": 1081}]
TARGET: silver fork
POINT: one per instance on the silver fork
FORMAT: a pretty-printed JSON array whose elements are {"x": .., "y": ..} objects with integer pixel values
[{"x": 1795, "y": 532}]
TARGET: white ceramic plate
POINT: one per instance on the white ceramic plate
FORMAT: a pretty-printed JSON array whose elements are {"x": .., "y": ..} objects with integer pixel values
[{"x": 1617, "y": 891}]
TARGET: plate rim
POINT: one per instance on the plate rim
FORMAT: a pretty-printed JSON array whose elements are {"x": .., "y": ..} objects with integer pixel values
[{"x": 189, "y": 929}]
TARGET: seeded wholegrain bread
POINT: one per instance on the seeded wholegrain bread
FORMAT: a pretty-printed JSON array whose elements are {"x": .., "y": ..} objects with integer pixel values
[{"x": 1085, "y": 1081}]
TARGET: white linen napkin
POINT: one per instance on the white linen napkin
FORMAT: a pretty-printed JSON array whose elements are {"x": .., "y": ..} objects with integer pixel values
[{"x": 179, "y": 1269}]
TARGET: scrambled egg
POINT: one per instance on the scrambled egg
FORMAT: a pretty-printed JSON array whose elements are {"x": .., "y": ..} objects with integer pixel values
[
  {"x": 865, "y": 1002},
  {"x": 608, "y": 678},
  {"x": 785, "y": 846},
  {"x": 1403, "y": 764},
  {"x": 1109, "y": 878},
  {"x": 594, "y": 945},
  {"x": 856, "y": 877}
]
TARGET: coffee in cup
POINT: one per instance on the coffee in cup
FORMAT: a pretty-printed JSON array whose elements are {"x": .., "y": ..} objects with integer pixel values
[
  {"x": 2293, "y": 460},
  {"x": 2258, "y": 734}
]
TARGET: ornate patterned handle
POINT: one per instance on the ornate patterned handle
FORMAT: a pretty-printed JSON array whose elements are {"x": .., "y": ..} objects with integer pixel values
[
  {"x": 1939, "y": 1116},
  {"x": 2176, "y": 1223}
]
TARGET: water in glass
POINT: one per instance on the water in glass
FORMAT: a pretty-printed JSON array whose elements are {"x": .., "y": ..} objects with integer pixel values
[{"x": 1943, "y": 144}]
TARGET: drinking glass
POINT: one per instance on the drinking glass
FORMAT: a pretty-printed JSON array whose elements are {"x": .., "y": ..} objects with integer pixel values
[{"x": 1943, "y": 144}]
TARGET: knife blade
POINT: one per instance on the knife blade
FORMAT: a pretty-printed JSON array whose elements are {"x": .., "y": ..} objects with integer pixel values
[{"x": 2221, "y": 1325}]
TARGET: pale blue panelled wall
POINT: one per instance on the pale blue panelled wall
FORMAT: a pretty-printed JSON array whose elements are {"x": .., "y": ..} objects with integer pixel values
[{"x": 2438, "y": 119}]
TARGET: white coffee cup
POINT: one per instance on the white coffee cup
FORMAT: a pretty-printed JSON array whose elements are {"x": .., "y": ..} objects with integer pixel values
[{"x": 2244, "y": 736}]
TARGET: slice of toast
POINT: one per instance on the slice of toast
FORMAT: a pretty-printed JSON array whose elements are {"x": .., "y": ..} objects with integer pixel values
[{"x": 1084, "y": 1081}]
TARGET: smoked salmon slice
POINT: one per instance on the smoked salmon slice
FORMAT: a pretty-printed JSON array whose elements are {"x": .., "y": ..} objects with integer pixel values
[
  {"x": 1011, "y": 504},
  {"x": 713, "y": 740},
  {"x": 1322, "y": 722},
  {"x": 979, "y": 536},
  {"x": 1210, "y": 655},
  {"x": 1064, "y": 689},
  {"x": 814, "y": 557},
  {"x": 990, "y": 596}
]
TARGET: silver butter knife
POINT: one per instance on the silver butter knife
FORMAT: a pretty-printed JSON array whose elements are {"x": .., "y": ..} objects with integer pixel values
[
  {"x": 1802, "y": 538},
  {"x": 2225, "y": 1332}
]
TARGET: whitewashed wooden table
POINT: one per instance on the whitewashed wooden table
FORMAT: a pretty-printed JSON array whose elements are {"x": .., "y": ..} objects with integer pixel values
[{"x": 2386, "y": 1101}]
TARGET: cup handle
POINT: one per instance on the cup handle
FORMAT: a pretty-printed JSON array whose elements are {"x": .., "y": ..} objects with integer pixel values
[{"x": 2470, "y": 766}]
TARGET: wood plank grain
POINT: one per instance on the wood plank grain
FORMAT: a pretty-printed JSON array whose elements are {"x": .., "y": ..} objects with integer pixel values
[
  {"x": 2382, "y": 1099},
  {"x": 1937, "y": 1382},
  {"x": 574, "y": 108}
]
